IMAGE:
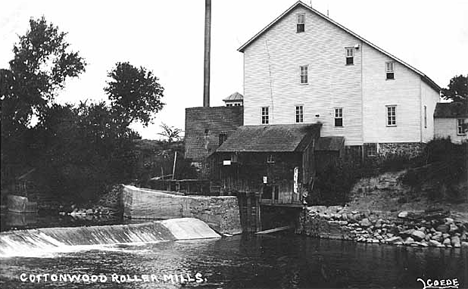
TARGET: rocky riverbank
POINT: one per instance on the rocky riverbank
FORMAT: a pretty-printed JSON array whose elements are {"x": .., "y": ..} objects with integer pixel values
[
  {"x": 430, "y": 228},
  {"x": 108, "y": 205}
]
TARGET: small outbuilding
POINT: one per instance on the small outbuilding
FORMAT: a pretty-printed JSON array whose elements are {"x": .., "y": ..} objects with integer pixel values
[
  {"x": 276, "y": 160},
  {"x": 451, "y": 121}
]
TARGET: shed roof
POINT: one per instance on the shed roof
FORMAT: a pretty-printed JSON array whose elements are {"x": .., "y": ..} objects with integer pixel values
[
  {"x": 271, "y": 138},
  {"x": 424, "y": 77},
  {"x": 332, "y": 143},
  {"x": 234, "y": 97},
  {"x": 451, "y": 109}
]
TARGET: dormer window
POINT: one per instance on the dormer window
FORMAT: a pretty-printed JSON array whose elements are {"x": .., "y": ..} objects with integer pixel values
[
  {"x": 300, "y": 23},
  {"x": 390, "y": 69}
]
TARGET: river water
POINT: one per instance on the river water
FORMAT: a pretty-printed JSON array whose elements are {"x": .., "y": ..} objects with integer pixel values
[{"x": 244, "y": 261}]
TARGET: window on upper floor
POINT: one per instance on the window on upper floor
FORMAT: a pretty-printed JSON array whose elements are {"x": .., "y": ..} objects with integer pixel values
[
  {"x": 339, "y": 117},
  {"x": 304, "y": 74},
  {"x": 349, "y": 55},
  {"x": 265, "y": 115},
  {"x": 299, "y": 113},
  {"x": 391, "y": 115},
  {"x": 390, "y": 69},
  {"x": 229, "y": 104},
  {"x": 300, "y": 23},
  {"x": 461, "y": 126}
]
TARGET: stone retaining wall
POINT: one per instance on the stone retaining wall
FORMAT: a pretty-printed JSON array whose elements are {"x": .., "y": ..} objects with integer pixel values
[
  {"x": 411, "y": 149},
  {"x": 422, "y": 229},
  {"x": 221, "y": 213}
]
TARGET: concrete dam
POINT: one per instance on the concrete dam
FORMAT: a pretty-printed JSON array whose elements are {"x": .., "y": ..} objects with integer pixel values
[{"x": 45, "y": 241}]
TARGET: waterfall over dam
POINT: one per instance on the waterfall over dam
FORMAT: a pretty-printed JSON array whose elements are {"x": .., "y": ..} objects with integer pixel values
[{"x": 38, "y": 242}]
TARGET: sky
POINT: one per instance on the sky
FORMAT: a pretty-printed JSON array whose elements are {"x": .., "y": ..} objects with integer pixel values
[{"x": 166, "y": 37}]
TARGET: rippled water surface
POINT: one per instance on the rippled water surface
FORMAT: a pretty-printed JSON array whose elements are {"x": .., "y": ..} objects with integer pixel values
[{"x": 286, "y": 261}]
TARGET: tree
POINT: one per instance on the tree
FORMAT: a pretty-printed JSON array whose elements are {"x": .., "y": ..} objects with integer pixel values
[
  {"x": 82, "y": 149},
  {"x": 41, "y": 64},
  {"x": 135, "y": 93},
  {"x": 170, "y": 133},
  {"x": 457, "y": 89}
]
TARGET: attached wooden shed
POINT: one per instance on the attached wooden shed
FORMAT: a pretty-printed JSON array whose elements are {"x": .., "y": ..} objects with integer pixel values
[
  {"x": 276, "y": 160},
  {"x": 328, "y": 151}
]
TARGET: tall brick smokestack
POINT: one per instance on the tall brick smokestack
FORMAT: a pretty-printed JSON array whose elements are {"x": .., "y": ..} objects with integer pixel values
[{"x": 206, "y": 75}]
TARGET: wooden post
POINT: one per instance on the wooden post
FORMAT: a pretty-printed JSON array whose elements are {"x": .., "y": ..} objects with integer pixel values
[
  {"x": 249, "y": 212},
  {"x": 173, "y": 168},
  {"x": 258, "y": 217}
]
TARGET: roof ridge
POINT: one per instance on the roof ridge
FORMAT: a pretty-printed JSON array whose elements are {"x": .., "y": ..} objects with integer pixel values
[{"x": 429, "y": 81}]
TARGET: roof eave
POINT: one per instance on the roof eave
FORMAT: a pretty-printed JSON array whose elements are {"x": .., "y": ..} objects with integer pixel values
[
  {"x": 425, "y": 78},
  {"x": 242, "y": 48},
  {"x": 431, "y": 83}
]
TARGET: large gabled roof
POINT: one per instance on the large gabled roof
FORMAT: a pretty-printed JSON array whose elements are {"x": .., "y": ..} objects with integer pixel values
[
  {"x": 271, "y": 138},
  {"x": 424, "y": 77}
]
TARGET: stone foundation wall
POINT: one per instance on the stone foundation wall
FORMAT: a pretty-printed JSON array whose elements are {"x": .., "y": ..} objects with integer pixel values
[
  {"x": 411, "y": 150},
  {"x": 221, "y": 213},
  {"x": 421, "y": 229}
]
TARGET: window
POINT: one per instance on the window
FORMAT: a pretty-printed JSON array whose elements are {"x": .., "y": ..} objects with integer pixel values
[
  {"x": 370, "y": 149},
  {"x": 300, "y": 23},
  {"x": 265, "y": 119},
  {"x": 299, "y": 113},
  {"x": 229, "y": 104},
  {"x": 391, "y": 115},
  {"x": 222, "y": 138},
  {"x": 339, "y": 117},
  {"x": 349, "y": 56},
  {"x": 425, "y": 116},
  {"x": 390, "y": 69},
  {"x": 304, "y": 74},
  {"x": 270, "y": 159},
  {"x": 461, "y": 126}
]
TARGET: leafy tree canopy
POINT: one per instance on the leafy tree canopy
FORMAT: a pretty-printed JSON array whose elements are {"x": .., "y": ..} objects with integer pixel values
[
  {"x": 42, "y": 62},
  {"x": 457, "y": 89},
  {"x": 170, "y": 133},
  {"x": 135, "y": 93}
]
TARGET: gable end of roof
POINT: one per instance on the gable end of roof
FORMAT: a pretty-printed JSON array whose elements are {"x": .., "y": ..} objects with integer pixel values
[{"x": 424, "y": 77}]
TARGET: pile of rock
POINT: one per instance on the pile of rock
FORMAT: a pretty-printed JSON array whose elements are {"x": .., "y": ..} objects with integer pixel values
[
  {"x": 95, "y": 211},
  {"x": 429, "y": 228},
  {"x": 113, "y": 198}
]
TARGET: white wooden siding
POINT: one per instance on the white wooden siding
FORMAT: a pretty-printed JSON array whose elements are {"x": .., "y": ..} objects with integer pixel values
[
  {"x": 378, "y": 92},
  {"x": 429, "y": 98},
  {"x": 447, "y": 127},
  {"x": 281, "y": 51},
  {"x": 272, "y": 78}
]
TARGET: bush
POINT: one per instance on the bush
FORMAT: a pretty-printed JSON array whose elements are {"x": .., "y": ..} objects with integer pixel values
[
  {"x": 333, "y": 185},
  {"x": 444, "y": 166}
]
